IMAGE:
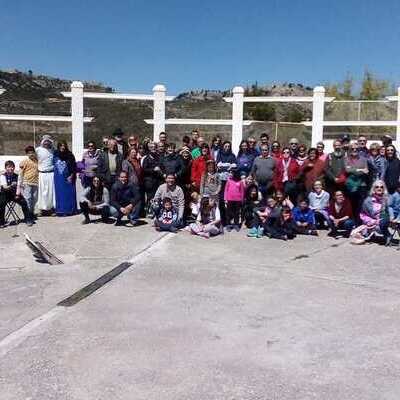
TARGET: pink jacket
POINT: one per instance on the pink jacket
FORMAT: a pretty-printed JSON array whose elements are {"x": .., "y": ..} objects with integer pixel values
[{"x": 234, "y": 190}]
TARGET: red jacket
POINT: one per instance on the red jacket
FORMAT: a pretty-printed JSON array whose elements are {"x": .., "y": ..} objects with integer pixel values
[
  {"x": 345, "y": 211},
  {"x": 293, "y": 171},
  {"x": 198, "y": 168}
]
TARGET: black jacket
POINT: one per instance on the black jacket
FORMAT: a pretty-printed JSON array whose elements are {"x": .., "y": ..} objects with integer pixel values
[
  {"x": 172, "y": 164},
  {"x": 103, "y": 168},
  {"x": 392, "y": 174},
  {"x": 151, "y": 177},
  {"x": 123, "y": 195}
]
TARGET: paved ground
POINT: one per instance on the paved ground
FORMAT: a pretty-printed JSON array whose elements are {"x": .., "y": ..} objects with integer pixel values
[{"x": 226, "y": 318}]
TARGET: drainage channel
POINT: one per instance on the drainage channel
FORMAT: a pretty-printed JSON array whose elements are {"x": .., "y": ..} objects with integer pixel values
[{"x": 18, "y": 336}]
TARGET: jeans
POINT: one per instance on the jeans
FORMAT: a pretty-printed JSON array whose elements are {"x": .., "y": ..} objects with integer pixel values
[
  {"x": 103, "y": 211},
  {"x": 8, "y": 196},
  {"x": 134, "y": 215},
  {"x": 346, "y": 226},
  {"x": 30, "y": 193}
]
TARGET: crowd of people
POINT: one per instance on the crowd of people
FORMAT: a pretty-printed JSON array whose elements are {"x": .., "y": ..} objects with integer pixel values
[{"x": 272, "y": 190}]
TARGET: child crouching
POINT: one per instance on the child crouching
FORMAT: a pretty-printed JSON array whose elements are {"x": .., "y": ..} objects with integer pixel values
[{"x": 167, "y": 220}]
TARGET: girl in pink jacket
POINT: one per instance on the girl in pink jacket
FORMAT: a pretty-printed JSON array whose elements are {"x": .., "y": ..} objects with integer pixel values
[{"x": 234, "y": 196}]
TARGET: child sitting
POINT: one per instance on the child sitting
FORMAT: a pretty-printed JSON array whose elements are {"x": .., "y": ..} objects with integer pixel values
[
  {"x": 280, "y": 224},
  {"x": 234, "y": 196},
  {"x": 319, "y": 202},
  {"x": 167, "y": 220},
  {"x": 9, "y": 192},
  {"x": 304, "y": 218},
  {"x": 208, "y": 221},
  {"x": 194, "y": 207},
  {"x": 251, "y": 205},
  {"x": 261, "y": 215}
]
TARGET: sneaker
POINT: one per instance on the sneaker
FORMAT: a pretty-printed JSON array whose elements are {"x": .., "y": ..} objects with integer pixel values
[
  {"x": 229, "y": 228},
  {"x": 260, "y": 232},
  {"x": 332, "y": 234},
  {"x": 118, "y": 222},
  {"x": 253, "y": 232},
  {"x": 313, "y": 232},
  {"x": 237, "y": 228},
  {"x": 29, "y": 223},
  {"x": 134, "y": 222},
  {"x": 85, "y": 221}
]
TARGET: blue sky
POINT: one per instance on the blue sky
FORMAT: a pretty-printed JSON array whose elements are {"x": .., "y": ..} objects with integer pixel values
[{"x": 132, "y": 45}]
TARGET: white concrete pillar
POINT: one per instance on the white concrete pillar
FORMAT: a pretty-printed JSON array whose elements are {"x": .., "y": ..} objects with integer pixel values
[
  {"x": 318, "y": 115},
  {"x": 397, "y": 141},
  {"x": 237, "y": 117},
  {"x": 77, "y": 118},
  {"x": 158, "y": 111}
]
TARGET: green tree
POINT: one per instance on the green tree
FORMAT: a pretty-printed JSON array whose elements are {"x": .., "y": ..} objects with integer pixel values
[
  {"x": 262, "y": 112},
  {"x": 373, "y": 88}
]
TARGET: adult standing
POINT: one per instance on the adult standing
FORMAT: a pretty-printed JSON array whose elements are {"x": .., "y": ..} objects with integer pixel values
[
  {"x": 90, "y": 161},
  {"x": 392, "y": 174},
  {"x": 357, "y": 178},
  {"x": 122, "y": 146},
  {"x": 286, "y": 172},
  {"x": 46, "y": 195},
  {"x": 226, "y": 161},
  {"x": 110, "y": 164},
  {"x": 263, "y": 171},
  {"x": 133, "y": 168},
  {"x": 152, "y": 173},
  {"x": 199, "y": 167},
  {"x": 171, "y": 162},
  {"x": 335, "y": 170},
  {"x": 294, "y": 147},
  {"x": 312, "y": 170},
  {"x": 245, "y": 159},
  {"x": 64, "y": 180}
]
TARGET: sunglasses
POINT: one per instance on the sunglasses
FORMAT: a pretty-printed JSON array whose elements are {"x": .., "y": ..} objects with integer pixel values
[{"x": 378, "y": 187}]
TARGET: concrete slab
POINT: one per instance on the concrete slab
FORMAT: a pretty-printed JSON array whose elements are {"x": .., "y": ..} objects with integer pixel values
[{"x": 225, "y": 318}]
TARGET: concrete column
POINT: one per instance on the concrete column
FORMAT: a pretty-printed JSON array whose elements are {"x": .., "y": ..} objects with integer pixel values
[
  {"x": 77, "y": 118},
  {"x": 397, "y": 142},
  {"x": 318, "y": 115},
  {"x": 158, "y": 111},
  {"x": 237, "y": 117}
]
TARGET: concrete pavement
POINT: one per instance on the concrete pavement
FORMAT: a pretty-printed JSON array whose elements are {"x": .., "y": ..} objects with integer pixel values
[{"x": 225, "y": 318}]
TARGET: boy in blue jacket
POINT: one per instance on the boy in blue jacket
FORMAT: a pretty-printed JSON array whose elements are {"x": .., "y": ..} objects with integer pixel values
[{"x": 304, "y": 218}]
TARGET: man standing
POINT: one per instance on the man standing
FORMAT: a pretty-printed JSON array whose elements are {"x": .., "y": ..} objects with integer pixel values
[
  {"x": 263, "y": 171},
  {"x": 294, "y": 147},
  {"x": 125, "y": 200},
  {"x": 109, "y": 164},
  {"x": 46, "y": 193},
  {"x": 362, "y": 146},
  {"x": 170, "y": 190},
  {"x": 264, "y": 141},
  {"x": 335, "y": 170},
  {"x": 122, "y": 146}
]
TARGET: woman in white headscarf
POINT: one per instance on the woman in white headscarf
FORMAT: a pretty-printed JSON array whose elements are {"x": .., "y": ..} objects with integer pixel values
[{"x": 46, "y": 194}]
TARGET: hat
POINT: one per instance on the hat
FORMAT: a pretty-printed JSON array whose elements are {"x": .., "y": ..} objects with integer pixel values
[
  {"x": 118, "y": 132},
  {"x": 346, "y": 138}
]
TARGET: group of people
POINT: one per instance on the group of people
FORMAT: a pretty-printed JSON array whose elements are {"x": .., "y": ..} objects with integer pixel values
[{"x": 273, "y": 190}]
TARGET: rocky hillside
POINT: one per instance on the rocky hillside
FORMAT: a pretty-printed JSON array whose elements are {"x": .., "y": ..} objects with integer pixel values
[{"x": 28, "y": 93}]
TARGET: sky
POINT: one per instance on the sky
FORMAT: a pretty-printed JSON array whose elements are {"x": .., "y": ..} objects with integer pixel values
[{"x": 133, "y": 45}]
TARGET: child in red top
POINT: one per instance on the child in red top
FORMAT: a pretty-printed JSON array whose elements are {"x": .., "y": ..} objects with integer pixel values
[{"x": 234, "y": 196}]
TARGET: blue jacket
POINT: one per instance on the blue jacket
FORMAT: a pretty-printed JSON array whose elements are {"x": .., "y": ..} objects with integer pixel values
[
  {"x": 306, "y": 215},
  {"x": 394, "y": 205},
  {"x": 245, "y": 163}
]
